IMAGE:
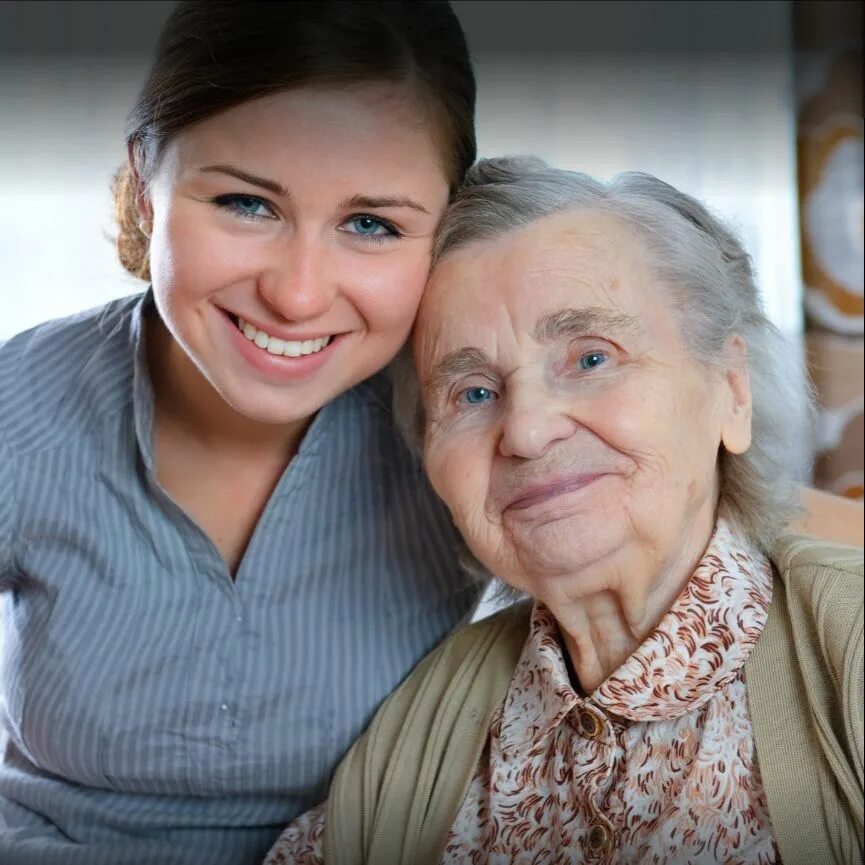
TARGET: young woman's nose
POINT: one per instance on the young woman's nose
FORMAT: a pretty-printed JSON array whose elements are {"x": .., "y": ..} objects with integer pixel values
[
  {"x": 532, "y": 423},
  {"x": 300, "y": 284}
]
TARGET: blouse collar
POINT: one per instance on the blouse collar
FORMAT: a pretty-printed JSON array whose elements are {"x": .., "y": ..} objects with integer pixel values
[{"x": 697, "y": 649}]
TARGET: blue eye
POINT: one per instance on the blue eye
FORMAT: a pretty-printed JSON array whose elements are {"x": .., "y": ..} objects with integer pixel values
[
  {"x": 591, "y": 360},
  {"x": 245, "y": 206},
  {"x": 371, "y": 226},
  {"x": 477, "y": 395}
]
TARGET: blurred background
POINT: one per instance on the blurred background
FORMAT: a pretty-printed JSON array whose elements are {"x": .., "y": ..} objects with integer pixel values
[{"x": 756, "y": 108}]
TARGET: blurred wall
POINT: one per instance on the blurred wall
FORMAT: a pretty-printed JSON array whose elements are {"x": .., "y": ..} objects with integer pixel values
[
  {"x": 699, "y": 93},
  {"x": 829, "y": 88}
]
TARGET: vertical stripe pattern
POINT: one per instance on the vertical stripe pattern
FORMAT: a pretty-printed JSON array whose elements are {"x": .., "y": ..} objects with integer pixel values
[{"x": 157, "y": 712}]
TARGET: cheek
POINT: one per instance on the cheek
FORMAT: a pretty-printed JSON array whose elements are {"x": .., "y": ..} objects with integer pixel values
[
  {"x": 666, "y": 428},
  {"x": 626, "y": 419},
  {"x": 189, "y": 262},
  {"x": 460, "y": 476},
  {"x": 386, "y": 292}
]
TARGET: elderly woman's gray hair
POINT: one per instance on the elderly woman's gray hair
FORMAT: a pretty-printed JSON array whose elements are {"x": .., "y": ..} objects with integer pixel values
[{"x": 712, "y": 291}]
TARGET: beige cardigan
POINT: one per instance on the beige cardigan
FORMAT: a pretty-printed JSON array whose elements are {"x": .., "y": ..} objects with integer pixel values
[{"x": 398, "y": 790}]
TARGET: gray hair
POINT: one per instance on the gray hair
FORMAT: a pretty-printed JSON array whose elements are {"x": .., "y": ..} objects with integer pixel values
[{"x": 713, "y": 296}]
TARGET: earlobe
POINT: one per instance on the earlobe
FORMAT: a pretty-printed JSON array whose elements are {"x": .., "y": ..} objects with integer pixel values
[{"x": 736, "y": 429}]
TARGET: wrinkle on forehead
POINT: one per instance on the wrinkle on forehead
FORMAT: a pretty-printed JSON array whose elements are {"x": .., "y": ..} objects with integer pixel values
[
  {"x": 587, "y": 262},
  {"x": 579, "y": 321}
]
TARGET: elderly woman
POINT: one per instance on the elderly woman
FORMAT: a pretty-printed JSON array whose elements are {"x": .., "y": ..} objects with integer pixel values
[{"x": 610, "y": 418}]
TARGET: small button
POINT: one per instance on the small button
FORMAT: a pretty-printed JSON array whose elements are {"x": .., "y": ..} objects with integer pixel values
[
  {"x": 223, "y": 707},
  {"x": 589, "y": 725},
  {"x": 239, "y": 618},
  {"x": 599, "y": 839}
]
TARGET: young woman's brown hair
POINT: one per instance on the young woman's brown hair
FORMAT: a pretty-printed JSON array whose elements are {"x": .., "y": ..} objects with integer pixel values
[{"x": 216, "y": 54}]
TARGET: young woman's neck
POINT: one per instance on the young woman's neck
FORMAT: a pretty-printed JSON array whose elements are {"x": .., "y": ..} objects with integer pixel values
[{"x": 186, "y": 401}]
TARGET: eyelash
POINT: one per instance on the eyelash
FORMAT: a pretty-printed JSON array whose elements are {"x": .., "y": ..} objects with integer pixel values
[
  {"x": 231, "y": 201},
  {"x": 392, "y": 232}
]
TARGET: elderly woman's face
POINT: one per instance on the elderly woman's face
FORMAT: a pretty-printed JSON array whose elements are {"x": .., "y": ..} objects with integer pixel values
[{"x": 567, "y": 422}]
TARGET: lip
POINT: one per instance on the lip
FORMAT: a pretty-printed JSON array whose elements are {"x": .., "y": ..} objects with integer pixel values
[
  {"x": 274, "y": 367},
  {"x": 540, "y": 493}
]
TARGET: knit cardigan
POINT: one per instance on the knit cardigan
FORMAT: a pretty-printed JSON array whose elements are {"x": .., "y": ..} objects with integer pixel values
[{"x": 398, "y": 790}]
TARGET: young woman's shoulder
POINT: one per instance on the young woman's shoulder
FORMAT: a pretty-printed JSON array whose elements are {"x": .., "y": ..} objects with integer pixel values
[{"x": 60, "y": 373}]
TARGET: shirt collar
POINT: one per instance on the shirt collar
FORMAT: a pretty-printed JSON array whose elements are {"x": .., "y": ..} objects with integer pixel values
[
  {"x": 698, "y": 648},
  {"x": 540, "y": 694}
]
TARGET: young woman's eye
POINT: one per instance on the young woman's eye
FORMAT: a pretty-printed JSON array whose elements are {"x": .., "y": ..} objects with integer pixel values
[
  {"x": 592, "y": 360},
  {"x": 245, "y": 206},
  {"x": 474, "y": 396},
  {"x": 365, "y": 225}
]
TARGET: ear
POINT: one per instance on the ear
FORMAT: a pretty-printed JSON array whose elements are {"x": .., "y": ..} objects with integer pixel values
[
  {"x": 736, "y": 425},
  {"x": 142, "y": 197}
]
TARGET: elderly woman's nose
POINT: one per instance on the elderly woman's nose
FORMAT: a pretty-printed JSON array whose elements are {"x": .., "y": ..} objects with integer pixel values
[
  {"x": 530, "y": 427},
  {"x": 298, "y": 284}
]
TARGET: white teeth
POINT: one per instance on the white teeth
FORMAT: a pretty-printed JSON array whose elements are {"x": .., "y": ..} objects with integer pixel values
[
  {"x": 286, "y": 347},
  {"x": 274, "y": 345}
]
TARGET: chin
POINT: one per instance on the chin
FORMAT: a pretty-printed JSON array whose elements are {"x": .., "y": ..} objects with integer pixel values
[
  {"x": 569, "y": 546},
  {"x": 282, "y": 411}
]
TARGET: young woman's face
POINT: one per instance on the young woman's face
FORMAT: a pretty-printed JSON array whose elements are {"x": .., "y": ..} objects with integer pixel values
[{"x": 291, "y": 240}]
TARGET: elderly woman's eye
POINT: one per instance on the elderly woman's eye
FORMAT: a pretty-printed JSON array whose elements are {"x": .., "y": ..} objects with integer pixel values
[
  {"x": 591, "y": 360},
  {"x": 477, "y": 396}
]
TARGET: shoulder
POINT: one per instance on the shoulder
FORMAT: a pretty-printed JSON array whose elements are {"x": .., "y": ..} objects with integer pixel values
[
  {"x": 59, "y": 372},
  {"x": 375, "y": 392},
  {"x": 816, "y": 574},
  {"x": 823, "y": 594},
  {"x": 362, "y": 416},
  {"x": 798, "y": 552},
  {"x": 492, "y": 642}
]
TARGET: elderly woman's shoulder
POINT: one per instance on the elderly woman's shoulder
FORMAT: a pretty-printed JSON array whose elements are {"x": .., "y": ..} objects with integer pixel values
[
  {"x": 801, "y": 557},
  {"x": 822, "y": 595}
]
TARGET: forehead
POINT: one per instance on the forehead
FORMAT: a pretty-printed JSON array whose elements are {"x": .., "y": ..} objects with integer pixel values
[
  {"x": 374, "y": 126},
  {"x": 570, "y": 260}
]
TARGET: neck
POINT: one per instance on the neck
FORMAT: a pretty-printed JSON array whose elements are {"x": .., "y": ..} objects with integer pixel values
[
  {"x": 187, "y": 404},
  {"x": 629, "y": 597}
]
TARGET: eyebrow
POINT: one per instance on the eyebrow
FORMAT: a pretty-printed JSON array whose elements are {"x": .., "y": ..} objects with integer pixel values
[
  {"x": 253, "y": 179},
  {"x": 555, "y": 325},
  {"x": 375, "y": 201},
  {"x": 454, "y": 364},
  {"x": 578, "y": 322},
  {"x": 371, "y": 202}
]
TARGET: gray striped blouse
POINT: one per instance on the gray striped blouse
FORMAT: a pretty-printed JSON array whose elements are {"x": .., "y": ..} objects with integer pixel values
[{"x": 155, "y": 710}]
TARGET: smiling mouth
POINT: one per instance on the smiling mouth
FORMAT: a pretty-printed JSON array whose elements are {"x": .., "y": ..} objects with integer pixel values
[
  {"x": 545, "y": 492},
  {"x": 281, "y": 347}
]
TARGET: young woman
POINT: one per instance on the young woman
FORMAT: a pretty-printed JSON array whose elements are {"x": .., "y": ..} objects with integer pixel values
[
  {"x": 217, "y": 554},
  {"x": 220, "y": 557}
]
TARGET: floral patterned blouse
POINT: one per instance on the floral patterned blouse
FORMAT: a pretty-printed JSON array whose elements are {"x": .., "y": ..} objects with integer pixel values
[{"x": 655, "y": 766}]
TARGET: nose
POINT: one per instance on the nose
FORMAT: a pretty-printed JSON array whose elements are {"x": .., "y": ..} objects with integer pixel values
[
  {"x": 299, "y": 284},
  {"x": 533, "y": 423}
]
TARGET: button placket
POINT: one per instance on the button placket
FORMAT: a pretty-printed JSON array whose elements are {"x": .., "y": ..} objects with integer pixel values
[{"x": 599, "y": 839}]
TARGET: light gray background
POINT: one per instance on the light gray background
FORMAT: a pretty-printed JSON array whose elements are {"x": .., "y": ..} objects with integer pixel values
[{"x": 699, "y": 93}]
